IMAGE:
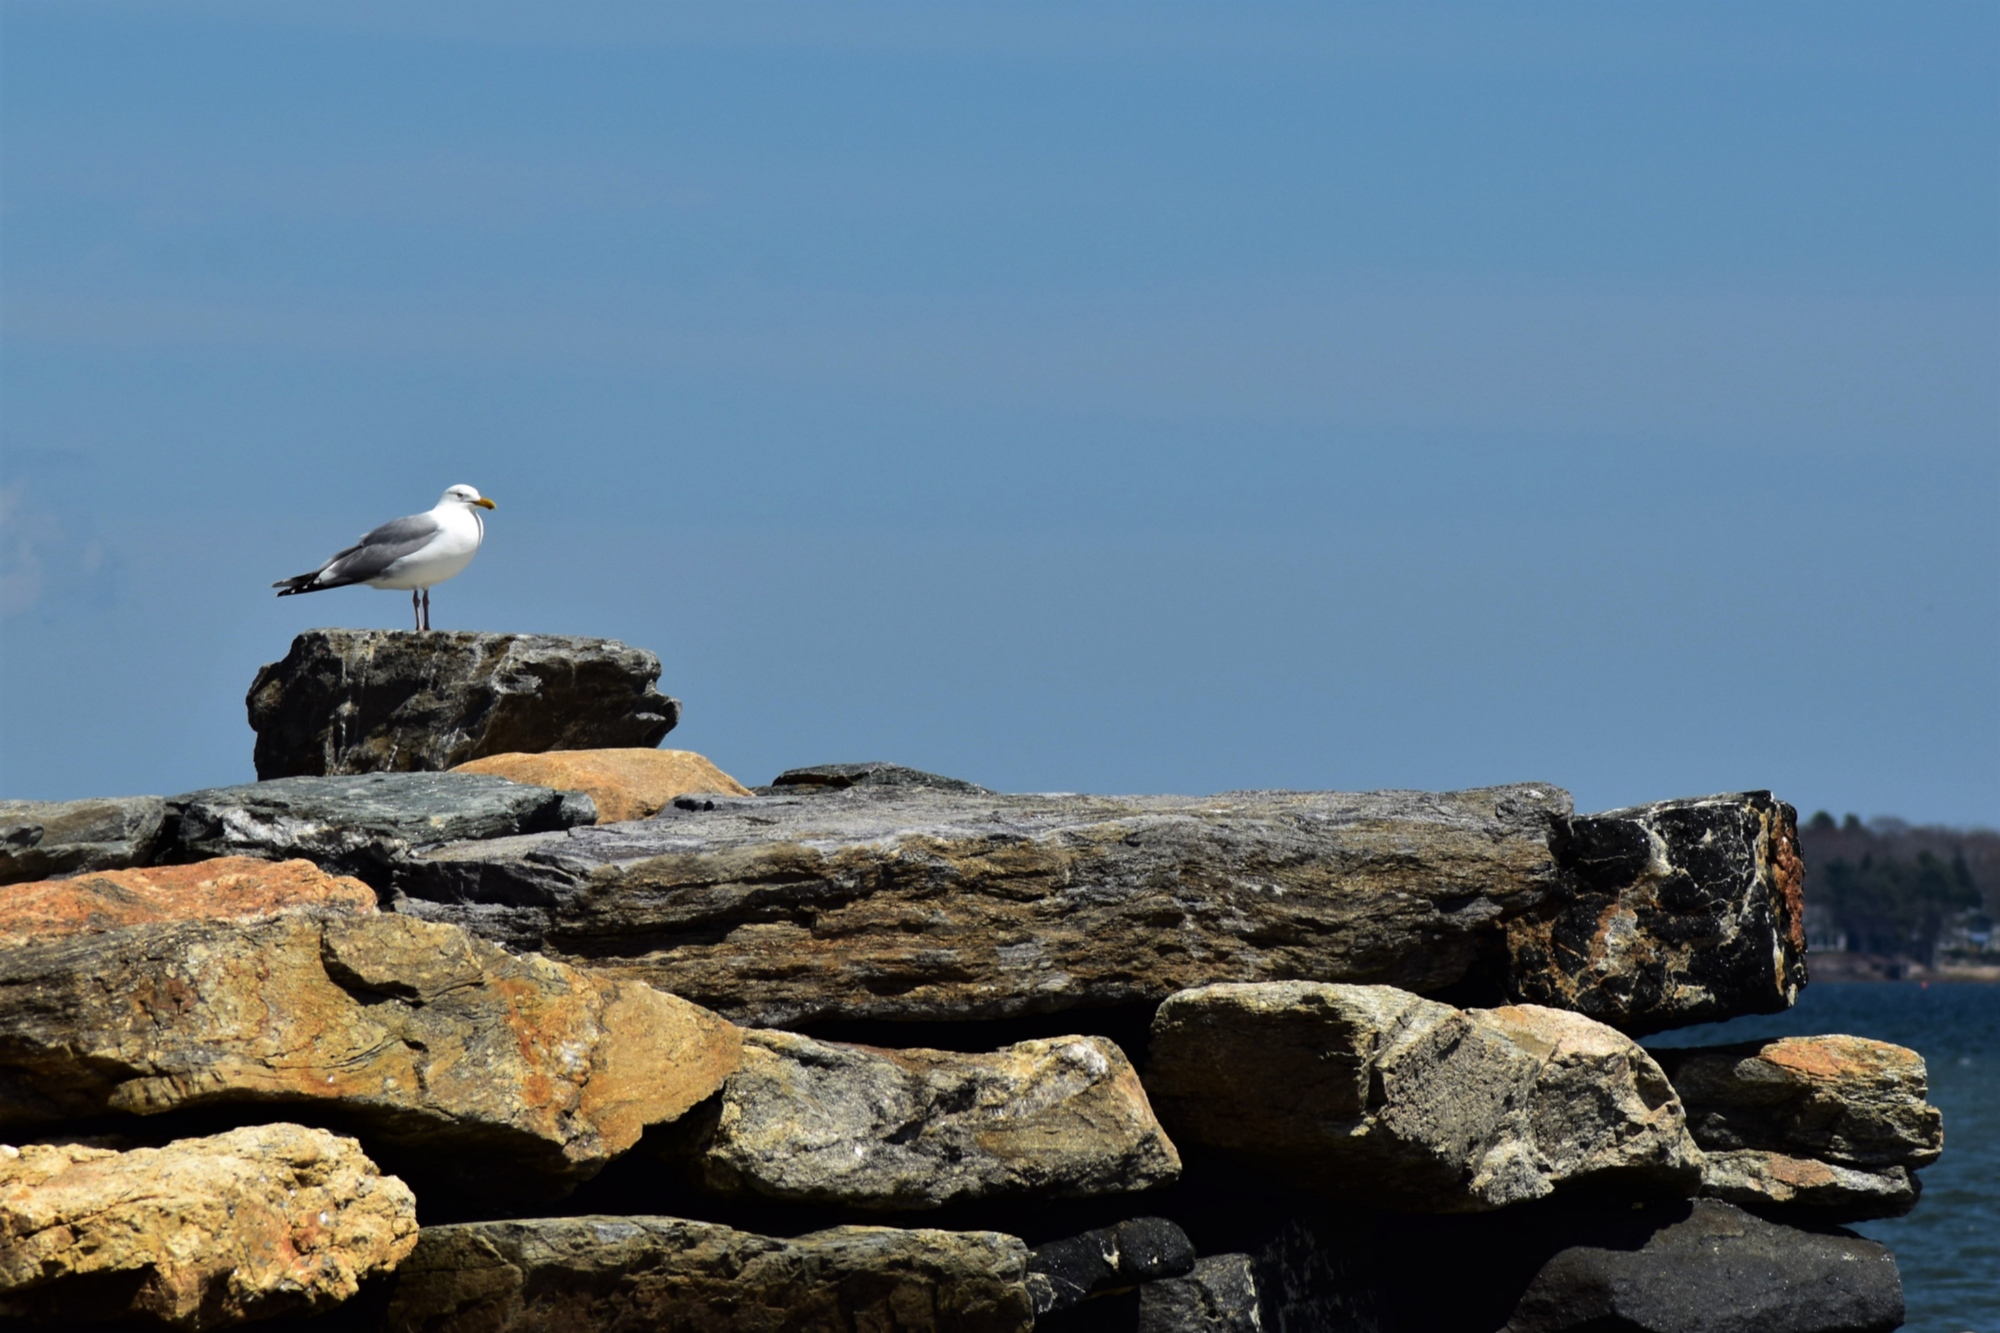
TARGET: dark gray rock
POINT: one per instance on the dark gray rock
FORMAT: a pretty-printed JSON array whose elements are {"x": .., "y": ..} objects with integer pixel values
[
  {"x": 839, "y": 777},
  {"x": 1219, "y": 1296},
  {"x": 1678, "y": 912},
  {"x": 376, "y": 701},
  {"x": 44, "y": 839},
  {"x": 365, "y": 824},
  {"x": 622, "y": 1274},
  {"x": 1718, "y": 1270},
  {"x": 895, "y": 902},
  {"x": 1064, "y": 1272}
]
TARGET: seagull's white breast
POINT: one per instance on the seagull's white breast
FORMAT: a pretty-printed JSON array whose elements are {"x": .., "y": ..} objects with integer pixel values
[{"x": 459, "y": 533}]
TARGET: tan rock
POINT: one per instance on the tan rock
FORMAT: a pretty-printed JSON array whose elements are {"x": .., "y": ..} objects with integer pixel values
[
  {"x": 204, "y": 1232},
  {"x": 515, "y": 1073},
  {"x": 225, "y": 887},
  {"x": 823, "y": 1122},
  {"x": 599, "y": 1274},
  {"x": 1375, "y": 1093},
  {"x": 626, "y": 784},
  {"x": 1844, "y": 1099}
]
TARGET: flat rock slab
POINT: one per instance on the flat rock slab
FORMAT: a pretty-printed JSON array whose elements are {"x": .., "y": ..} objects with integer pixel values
[
  {"x": 1833, "y": 1126},
  {"x": 1379, "y": 1095},
  {"x": 1678, "y": 912},
  {"x": 510, "y": 1073},
  {"x": 204, "y": 1233},
  {"x": 397, "y": 701},
  {"x": 624, "y": 784},
  {"x": 874, "y": 773},
  {"x": 1775, "y": 1183},
  {"x": 228, "y": 887},
  {"x": 599, "y": 1274},
  {"x": 43, "y": 839},
  {"x": 823, "y": 1122},
  {"x": 1719, "y": 1270},
  {"x": 911, "y": 903},
  {"x": 365, "y": 825}
]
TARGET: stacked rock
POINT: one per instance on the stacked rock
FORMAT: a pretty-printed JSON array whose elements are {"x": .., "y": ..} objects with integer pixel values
[{"x": 867, "y": 1048}]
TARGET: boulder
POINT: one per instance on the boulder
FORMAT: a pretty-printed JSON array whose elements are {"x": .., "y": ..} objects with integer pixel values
[
  {"x": 912, "y": 903},
  {"x": 1218, "y": 1296},
  {"x": 1065, "y": 1272},
  {"x": 363, "y": 826},
  {"x": 822, "y": 1122},
  {"x": 1376, "y": 1094},
  {"x": 43, "y": 839},
  {"x": 839, "y": 777},
  {"x": 1832, "y": 1125},
  {"x": 226, "y": 887},
  {"x": 1717, "y": 1270},
  {"x": 1843, "y": 1099},
  {"x": 203, "y": 1233},
  {"x": 599, "y": 1274},
  {"x": 624, "y": 784},
  {"x": 508, "y": 1073},
  {"x": 1679, "y": 912},
  {"x": 397, "y": 701}
]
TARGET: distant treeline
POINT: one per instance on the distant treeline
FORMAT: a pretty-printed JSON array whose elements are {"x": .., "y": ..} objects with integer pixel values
[{"x": 1901, "y": 889}]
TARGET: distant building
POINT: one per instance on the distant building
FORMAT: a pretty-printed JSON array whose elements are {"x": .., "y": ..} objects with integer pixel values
[{"x": 1823, "y": 932}]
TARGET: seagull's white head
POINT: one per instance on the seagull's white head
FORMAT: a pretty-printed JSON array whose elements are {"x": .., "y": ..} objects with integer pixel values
[{"x": 465, "y": 495}]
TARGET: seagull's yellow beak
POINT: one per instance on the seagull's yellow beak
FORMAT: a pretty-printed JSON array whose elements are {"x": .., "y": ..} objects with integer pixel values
[{"x": 484, "y": 503}]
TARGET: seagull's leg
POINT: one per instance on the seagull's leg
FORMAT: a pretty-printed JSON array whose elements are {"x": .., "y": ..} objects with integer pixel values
[
  {"x": 415, "y": 610},
  {"x": 427, "y": 608}
]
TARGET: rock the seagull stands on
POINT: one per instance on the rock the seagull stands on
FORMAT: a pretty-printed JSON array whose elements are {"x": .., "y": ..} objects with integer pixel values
[
  {"x": 416, "y": 553},
  {"x": 379, "y": 701}
]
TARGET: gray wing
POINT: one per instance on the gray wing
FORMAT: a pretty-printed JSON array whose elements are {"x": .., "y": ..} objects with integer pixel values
[{"x": 367, "y": 558}]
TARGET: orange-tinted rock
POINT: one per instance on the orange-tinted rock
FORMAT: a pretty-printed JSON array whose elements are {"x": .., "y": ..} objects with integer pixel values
[
  {"x": 1844, "y": 1099},
  {"x": 626, "y": 784},
  {"x": 227, "y": 886},
  {"x": 200, "y": 1234},
  {"x": 503, "y": 1073}
]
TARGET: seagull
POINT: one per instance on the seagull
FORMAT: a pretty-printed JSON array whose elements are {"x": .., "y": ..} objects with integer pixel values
[{"x": 413, "y": 553}]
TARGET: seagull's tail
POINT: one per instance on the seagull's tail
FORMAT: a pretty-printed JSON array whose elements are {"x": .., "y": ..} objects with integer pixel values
[{"x": 300, "y": 583}]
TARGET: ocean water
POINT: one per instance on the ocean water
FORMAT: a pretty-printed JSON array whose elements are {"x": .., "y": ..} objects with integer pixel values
[{"x": 1949, "y": 1248}]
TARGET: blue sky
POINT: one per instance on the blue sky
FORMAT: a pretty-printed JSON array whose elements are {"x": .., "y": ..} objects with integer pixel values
[{"x": 1084, "y": 397}]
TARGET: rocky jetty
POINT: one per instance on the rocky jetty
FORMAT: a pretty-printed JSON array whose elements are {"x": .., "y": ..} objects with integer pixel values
[
  {"x": 635, "y": 1045},
  {"x": 383, "y": 701}
]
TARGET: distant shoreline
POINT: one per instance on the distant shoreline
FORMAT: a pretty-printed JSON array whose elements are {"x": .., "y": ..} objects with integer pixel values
[{"x": 1825, "y": 967}]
